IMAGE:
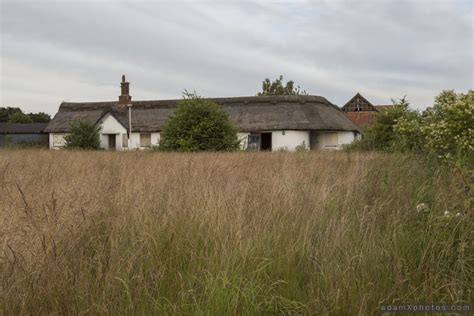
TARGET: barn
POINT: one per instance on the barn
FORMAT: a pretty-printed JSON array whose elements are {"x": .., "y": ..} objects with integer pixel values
[
  {"x": 362, "y": 112},
  {"x": 264, "y": 122}
]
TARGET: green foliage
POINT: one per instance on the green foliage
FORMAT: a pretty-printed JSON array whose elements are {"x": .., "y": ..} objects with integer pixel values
[
  {"x": 445, "y": 130},
  {"x": 16, "y": 115},
  {"x": 83, "y": 135},
  {"x": 198, "y": 125},
  {"x": 449, "y": 125},
  {"x": 381, "y": 136},
  {"x": 40, "y": 117},
  {"x": 276, "y": 87},
  {"x": 5, "y": 112},
  {"x": 302, "y": 147},
  {"x": 408, "y": 136},
  {"x": 19, "y": 117}
]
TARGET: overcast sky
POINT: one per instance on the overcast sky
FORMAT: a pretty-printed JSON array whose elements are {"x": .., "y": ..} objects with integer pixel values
[{"x": 77, "y": 50}]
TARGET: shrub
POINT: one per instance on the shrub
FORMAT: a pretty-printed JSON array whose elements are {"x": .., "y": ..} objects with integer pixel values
[
  {"x": 83, "y": 135},
  {"x": 198, "y": 125},
  {"x": 408, "y": 136},
  {"x": 444, "y": 130},
  {"x": 302, "y": 147},
  {"x": 449, "y": 126},
  {"x": 382, "y": 136}
]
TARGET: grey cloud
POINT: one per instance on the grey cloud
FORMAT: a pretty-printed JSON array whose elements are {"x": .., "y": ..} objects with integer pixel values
[{"x": 382, "y": 49}]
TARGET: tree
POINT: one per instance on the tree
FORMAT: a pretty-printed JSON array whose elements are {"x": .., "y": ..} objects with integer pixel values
[
  {"x": 198, "y": 125},
  {"x": 19, "y": 117},
  {"x": 40, "y": 117},
  {"x": 5, "y": 112},
  {"x": 276, "y": 88},
  {"x": 83, "y": 135},
  {"x": 16, "y": 115}
]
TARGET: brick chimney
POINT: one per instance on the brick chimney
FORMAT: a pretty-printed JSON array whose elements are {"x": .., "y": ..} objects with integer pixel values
[{"x": 124, "y": 97}]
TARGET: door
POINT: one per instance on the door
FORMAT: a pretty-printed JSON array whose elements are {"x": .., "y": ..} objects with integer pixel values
[
  {"x": 266, "y": 141},
  {"x": 112, "y": 144}
]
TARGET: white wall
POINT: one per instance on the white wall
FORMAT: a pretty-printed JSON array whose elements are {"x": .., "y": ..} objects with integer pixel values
[
  {"x": 155, "y": 140},
  {"x": 281, "y": 140},
  {"x": 345, "y": 138},
  {"x": 243, "y": 138},
  {"x": 322, "y": 141},
  {"x": 289, "y": 140},
  {"x": 109, "y": 125}
]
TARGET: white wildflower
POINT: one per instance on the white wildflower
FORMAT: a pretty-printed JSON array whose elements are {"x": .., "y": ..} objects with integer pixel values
[
  {"x": 446, "y": 214},
  {"x": 458, "y": 214},
  {"x": 422, "y": 207}
]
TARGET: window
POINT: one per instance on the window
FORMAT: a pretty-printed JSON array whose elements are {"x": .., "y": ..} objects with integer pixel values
[
  {"x": 58, "y": 140},
  {"x": 145, "y": 139},
  {"x": 253, "y": 142},
  {"x": 124, "y": 140},
  {"x": 331, "y": 139}
]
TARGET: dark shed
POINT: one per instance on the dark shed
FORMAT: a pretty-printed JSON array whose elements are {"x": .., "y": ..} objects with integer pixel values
[{"x": 23, "y": 133}]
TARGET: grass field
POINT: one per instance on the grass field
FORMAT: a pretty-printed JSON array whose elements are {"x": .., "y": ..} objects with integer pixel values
[{"x": 233, "y": 233}]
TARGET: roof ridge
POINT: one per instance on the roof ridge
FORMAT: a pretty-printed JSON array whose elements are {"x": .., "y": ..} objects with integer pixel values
[{"x": 266, "y": 98}]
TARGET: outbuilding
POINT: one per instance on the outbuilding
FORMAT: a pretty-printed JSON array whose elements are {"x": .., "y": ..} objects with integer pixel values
[{"x": 23, "y": 133}]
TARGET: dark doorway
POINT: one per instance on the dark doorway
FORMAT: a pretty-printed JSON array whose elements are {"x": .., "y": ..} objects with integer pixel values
[
  {"x": 266, "y": 142},
  {"x": 112, "y": 144}
]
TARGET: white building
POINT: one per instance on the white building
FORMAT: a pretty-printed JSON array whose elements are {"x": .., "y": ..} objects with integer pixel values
[{"x": 264, "y": 122}]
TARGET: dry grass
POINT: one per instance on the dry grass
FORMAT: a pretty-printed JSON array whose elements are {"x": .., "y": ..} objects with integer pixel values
[{"x": 238, "y": 233}]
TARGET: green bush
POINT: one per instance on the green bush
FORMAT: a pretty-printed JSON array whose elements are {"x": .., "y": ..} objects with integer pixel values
[
  {"x": 198, "y": 125},
  {"x": 444, "y": 130},
  {"x": 449, "y": 126},
  {"x": 381, "y": 136},
  {"x": 83, "y": 135}
]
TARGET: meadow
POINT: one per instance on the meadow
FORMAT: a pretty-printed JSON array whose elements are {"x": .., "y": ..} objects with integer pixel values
[{"x": 323, "y": 233}]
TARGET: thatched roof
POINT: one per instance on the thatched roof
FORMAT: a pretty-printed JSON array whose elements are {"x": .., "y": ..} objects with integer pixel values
[
  {"x": 22, "y": 128},
  {"x": 248, "y": 113}
]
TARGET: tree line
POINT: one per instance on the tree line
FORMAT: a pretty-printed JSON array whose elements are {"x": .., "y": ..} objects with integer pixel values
[{"x": 16, "y": 115}]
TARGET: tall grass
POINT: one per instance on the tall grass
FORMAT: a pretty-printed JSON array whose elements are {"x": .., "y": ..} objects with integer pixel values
[{"x": 231, "y": 233}]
